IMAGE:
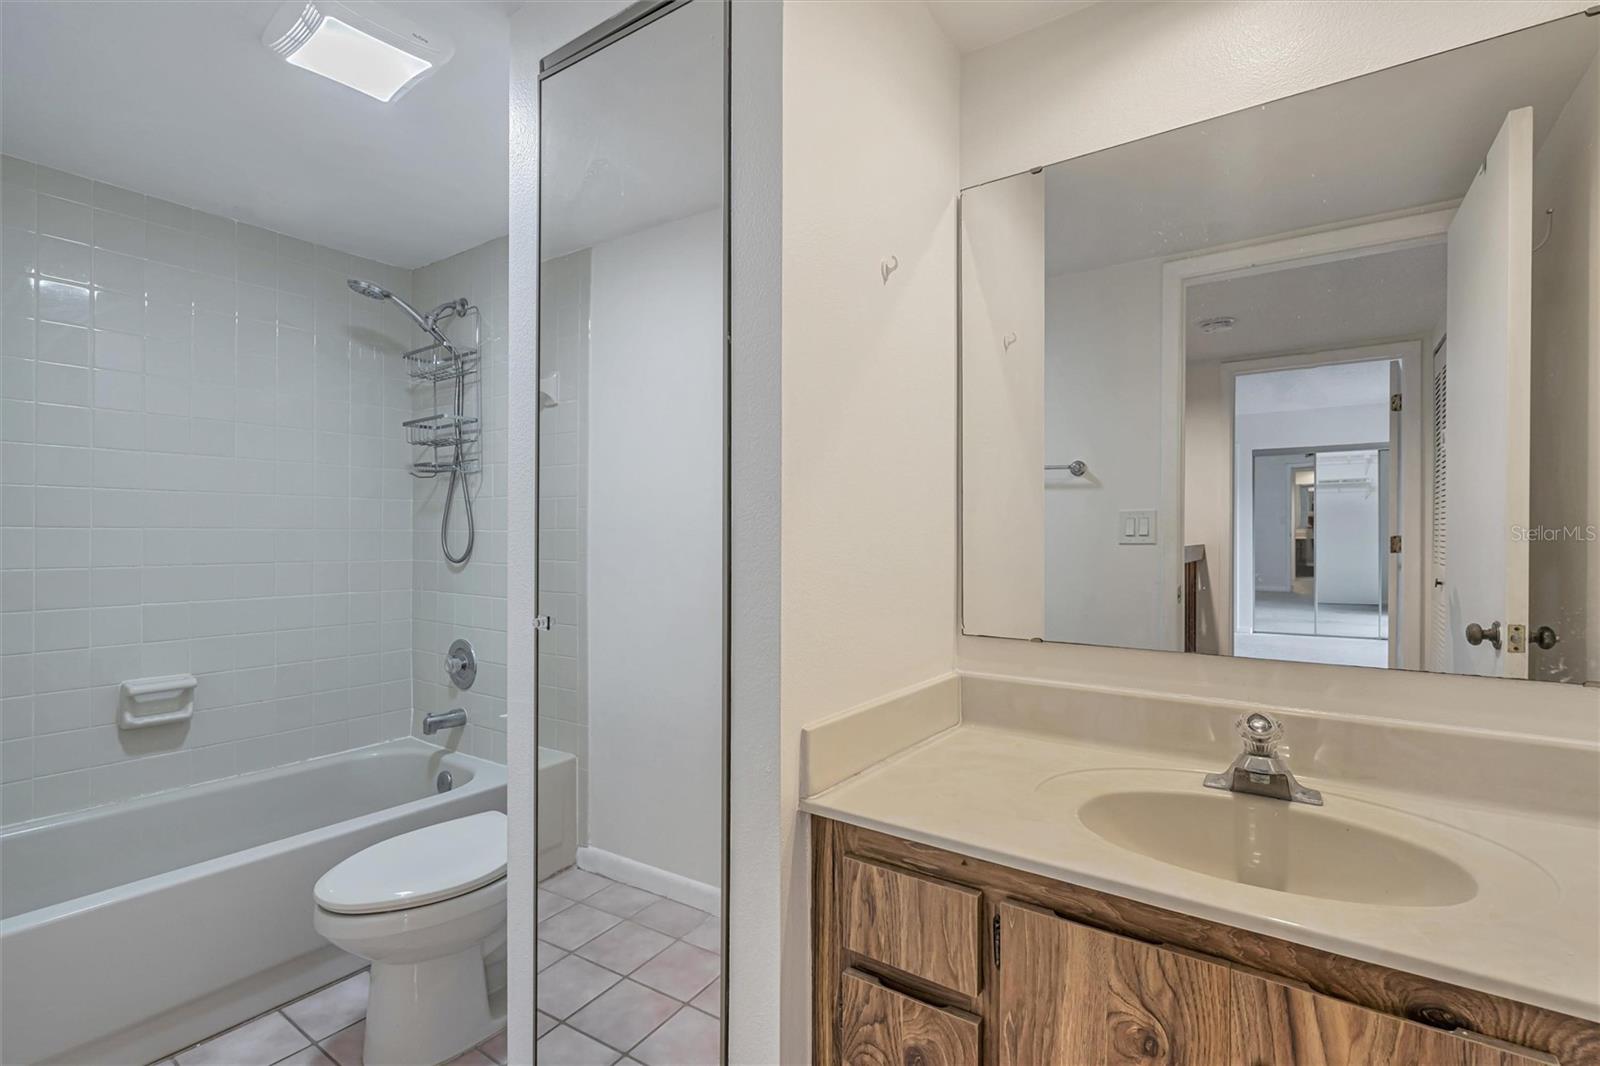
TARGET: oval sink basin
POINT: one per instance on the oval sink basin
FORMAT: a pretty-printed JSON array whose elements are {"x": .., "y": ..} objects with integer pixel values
[{"x": 1288, "y": 847}]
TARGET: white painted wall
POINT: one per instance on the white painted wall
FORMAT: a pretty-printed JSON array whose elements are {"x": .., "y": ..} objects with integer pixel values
[
  {"x": 1566, "y": 388},
  {"x": 1003, "y": 408},
  {"x": 654, "y": 574},
  {"x": 870, "y": 141},
  {"x": 1208, "y": 503},
  {"x": 1116, "y": 72},
  {"x": 1102, "y": 386},
  {"x": 1349, "y": 566}
]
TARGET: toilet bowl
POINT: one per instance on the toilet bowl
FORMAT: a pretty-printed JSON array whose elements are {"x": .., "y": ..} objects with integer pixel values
[{"x": 424, "y": 908}]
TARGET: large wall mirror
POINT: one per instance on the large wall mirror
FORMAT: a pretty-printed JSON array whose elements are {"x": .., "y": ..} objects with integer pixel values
[{"x": 1318, "y": 381}]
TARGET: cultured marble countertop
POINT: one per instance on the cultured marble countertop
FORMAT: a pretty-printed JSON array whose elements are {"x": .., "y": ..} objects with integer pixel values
[{"x": 1530, "y": 932}]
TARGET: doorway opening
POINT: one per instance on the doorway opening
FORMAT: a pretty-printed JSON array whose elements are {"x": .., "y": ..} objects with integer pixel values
[
  {"x": 1333, "y": 586},
  {"x": 1313, "y": 513}
]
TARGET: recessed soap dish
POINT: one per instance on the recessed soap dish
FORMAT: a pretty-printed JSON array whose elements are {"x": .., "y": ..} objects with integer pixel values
[{"x": 151, "y": 701}]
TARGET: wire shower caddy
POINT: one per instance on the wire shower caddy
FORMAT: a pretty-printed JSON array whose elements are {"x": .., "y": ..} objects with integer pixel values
[{"x": 448, "y": 438}]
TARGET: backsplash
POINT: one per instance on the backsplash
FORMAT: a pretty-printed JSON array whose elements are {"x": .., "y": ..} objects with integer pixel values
[{"x": 204, "y": 472}]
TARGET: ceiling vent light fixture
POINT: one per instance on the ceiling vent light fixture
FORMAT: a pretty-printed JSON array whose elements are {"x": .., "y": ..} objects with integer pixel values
[
  {"x": 360, "y": 44},
  {"x": 1220, "y": 324}
]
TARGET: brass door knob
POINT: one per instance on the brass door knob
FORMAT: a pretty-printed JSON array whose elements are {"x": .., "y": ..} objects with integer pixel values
[
  {"x": 1545, "y": 637},
  {"x": 1477, "y": 634}
]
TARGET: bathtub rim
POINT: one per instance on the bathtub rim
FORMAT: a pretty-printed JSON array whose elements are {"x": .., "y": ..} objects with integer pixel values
[{"x": 486, "y": 775}]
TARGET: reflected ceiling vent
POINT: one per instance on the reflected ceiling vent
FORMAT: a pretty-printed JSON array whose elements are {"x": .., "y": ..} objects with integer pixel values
[
  {"x": 356, "y": 43},
  {"x": 1220, "y": 324}
]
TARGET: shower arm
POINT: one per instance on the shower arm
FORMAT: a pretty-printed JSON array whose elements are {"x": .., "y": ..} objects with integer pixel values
[{"x": 429, "y": 323}]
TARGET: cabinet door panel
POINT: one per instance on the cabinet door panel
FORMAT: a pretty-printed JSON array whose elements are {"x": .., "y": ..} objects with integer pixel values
[
  {"x": 1166, "y": 1007},
  {"x": 1053, "y": 994},
  {"x": 1072, "y": 994},
  {"x": 1279, "y": 1024},
  {"x": 881, "y": 1027}
]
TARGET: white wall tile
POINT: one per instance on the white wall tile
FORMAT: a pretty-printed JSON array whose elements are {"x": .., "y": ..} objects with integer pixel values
[
  {"x": 64, "y": 219},
  {"x": 180, "y": 490}
]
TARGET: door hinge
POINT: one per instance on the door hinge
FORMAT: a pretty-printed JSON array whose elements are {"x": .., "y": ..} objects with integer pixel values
[
  {"x": 542, "y": 623},
  {"x": 1396, "y": 403},
  {"x": 1394, "y": 544},
  {"x": 996, "y": 938}
]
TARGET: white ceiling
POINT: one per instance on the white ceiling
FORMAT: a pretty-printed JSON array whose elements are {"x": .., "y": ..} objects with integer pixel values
[
  {"x": 1393, "y": 140},
  {"x": 183, "y": 102},
  {"x": 975, "y": 24},
  {"x": 633, "y": 134},
  {"x": 1312, "y": 388},
  {"x": 1342, "y": 304}
]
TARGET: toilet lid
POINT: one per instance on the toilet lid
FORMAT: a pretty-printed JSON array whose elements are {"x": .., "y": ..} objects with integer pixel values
[{"x": 427, "y": 865}]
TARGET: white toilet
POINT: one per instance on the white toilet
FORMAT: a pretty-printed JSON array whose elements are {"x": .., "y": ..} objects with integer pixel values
[{"x": 425, "y": 908}]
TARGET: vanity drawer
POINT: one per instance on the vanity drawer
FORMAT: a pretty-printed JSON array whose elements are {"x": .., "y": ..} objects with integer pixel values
[
  {"x": 920, "y": 926},
  {"x": 880, "y": 1025}
]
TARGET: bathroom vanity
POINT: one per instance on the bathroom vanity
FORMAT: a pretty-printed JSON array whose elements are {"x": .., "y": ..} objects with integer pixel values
[
  {"x": 1022, "y": 874},
  {"x": 926, "y": 956}
]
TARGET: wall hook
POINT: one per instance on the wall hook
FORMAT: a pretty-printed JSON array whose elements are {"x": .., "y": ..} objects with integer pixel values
[
  {"x": 889, "y": 266},
  {"x": 1007, "y": 341},
  {"x": 1549, "y": 227}
]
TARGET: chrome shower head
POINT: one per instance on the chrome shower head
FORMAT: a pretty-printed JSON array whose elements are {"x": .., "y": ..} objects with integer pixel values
[
  {"x": 368, "y": 289},
  {"x": 377, "y": 292}
]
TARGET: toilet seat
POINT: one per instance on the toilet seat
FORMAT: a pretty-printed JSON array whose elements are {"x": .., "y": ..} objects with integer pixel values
[{"x": 428, "y": 865}]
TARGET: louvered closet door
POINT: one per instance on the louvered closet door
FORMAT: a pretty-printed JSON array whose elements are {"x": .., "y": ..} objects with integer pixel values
[{"x": 1438, "y": 598}]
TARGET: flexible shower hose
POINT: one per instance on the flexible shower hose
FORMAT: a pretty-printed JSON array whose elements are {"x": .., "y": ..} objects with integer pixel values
[
  {"x": 444, "y": 523},
  {"x": 457, "y": 471}
]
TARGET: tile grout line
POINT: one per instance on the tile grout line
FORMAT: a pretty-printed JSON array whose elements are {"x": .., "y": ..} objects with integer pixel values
[
  {"x": 359, "y": 1021},
  {"x": 173, "y": 1058},
  {"x": 296, "y": 1024},
  {"x": 682, "y": 1006}
]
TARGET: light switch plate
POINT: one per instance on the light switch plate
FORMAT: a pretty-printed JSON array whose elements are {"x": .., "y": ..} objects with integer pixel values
[{"x": 1136, "y": 527}]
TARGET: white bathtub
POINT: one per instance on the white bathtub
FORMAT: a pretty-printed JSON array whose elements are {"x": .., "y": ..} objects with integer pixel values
[
  {"x": 558, "y": 811},
  {"x": 132, "y": 930}
]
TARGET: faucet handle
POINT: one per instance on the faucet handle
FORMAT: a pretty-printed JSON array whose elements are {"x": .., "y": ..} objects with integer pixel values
[{"x": 1261, "y": 733}]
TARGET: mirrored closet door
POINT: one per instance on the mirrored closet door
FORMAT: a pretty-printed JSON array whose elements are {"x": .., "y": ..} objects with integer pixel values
[{"x": 632, "y": 547}]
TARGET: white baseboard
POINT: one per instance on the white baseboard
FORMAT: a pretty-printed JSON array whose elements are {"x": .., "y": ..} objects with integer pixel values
[{"x": 651, "y": 879}]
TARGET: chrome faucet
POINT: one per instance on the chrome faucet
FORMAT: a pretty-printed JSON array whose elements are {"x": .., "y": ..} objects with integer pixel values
[
  {"x": 438, "y": 720},
  {"x": 1259, "y": 770}
]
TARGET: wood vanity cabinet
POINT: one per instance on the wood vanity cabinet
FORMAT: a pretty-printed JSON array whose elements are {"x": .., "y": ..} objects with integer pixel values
[{"x": 926, "y": 958}]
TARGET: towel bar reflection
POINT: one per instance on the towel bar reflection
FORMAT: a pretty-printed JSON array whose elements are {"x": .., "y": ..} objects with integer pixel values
[{"x": 1077, "y": 468}]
